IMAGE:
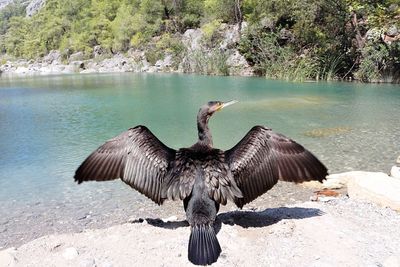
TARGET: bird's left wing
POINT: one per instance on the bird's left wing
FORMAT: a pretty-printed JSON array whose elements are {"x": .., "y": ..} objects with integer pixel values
[
  {"x": 136, "y": 156},
  {"x": 263, "y": 157}
]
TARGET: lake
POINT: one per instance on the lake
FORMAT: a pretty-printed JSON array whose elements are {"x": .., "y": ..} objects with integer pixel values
[{"x": 48, "y": 125}]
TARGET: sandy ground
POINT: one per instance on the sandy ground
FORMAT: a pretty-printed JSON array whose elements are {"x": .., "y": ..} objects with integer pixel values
[{"x": 340, "y": 232}]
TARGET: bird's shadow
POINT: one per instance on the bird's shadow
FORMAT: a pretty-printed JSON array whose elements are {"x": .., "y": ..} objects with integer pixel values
[{"x": 245, "y": 219}]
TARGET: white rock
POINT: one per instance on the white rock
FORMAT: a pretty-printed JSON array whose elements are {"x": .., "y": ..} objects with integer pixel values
[
  {"x": 395, "y": 172},
  {"x": 375, "y": 187},
  {"x": 170, "y": 219},
  {"x": 392, "y": 261},
  {"x": 7, "y": 257},
  {"x": 22, "y": 70},
  {"x": 338, "y": 180},
  {"x": 70, "y": 253}
]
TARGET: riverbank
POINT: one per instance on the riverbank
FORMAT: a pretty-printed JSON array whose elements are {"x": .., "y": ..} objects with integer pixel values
[
  {"x": 347, "y": 224},
  {"x": 338, "y": 232}
]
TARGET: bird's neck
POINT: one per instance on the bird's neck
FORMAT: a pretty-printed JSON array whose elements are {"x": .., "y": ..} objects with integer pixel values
[{"x": 205, "y": 137}]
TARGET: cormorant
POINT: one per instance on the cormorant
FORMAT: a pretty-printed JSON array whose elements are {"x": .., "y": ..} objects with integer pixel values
[{"x": 202, "y": 176}]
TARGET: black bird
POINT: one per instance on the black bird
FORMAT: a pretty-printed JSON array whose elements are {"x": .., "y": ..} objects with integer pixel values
[{"x": 202, "y": 176}]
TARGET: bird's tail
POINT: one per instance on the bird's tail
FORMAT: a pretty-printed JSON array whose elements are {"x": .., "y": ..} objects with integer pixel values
[{"x": 204, "y": 247}]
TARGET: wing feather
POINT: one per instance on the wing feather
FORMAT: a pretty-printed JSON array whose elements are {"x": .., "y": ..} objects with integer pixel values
[
  {"x": 263, "y": 157},
  {"x": 136, "y": 156}
]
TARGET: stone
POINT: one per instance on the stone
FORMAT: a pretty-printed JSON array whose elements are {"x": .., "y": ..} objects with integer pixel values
[
  {"x": 191, "y": 39},
  {"x": 238, "y": 65},
  {"x": 392, "y": 31},
  {"x": 87, "y": 263},
  {"x": 98, "y": 51},
  {"x": 22, "y": 70},
  {"x": 164, "y": 64},
  {"x": 333, "y": 181},
  {"x": 7, "y": 257},
  {"x": 375, "y": 187},
  {"x": 53, "y": 57},
  {"x": 34, "y": 6},
  {"x": 395, "y": 172},
  {"x": 392, "y": 261},
  {"x": 78, "y": 56},
  {"x": 70, "y": 253}
]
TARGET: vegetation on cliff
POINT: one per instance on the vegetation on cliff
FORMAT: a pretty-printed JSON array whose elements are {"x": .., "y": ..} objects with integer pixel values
[{"x": 292, "y": 39}]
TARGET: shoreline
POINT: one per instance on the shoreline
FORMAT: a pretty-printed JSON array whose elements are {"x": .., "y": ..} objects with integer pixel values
[{"x": 337, "y": 232}]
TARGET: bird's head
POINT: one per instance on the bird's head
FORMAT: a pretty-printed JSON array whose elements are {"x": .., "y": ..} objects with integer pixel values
[{"x": 211, "y": 107}]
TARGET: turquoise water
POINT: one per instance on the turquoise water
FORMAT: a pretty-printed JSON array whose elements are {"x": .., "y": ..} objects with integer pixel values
[{"x": 48, "y": 125}]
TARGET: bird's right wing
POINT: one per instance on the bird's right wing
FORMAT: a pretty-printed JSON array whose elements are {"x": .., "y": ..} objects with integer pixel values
[
  {"x": 136, "y": 156},
  {"x": 262, "y": 157}
]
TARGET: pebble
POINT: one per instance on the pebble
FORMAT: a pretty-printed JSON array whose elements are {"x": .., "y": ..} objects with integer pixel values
[
  {"x": 87, "y": 263},
  {"x": 70, "y": 253}
]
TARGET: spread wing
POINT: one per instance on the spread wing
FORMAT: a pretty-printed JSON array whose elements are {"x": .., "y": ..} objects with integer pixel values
[
  {"x": 262, "y": 157},
  {"x": 136, "y": 156}
]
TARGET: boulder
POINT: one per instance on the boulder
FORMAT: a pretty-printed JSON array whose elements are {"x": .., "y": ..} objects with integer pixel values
[
  {"x": 395, "y": 172},
  {"x": 98, "y": 51},
  {"x": 78, "y": 56},
  {"x": 375, "y": 187},
  {"x": 34, "y": 6},
  {"x": 191, "y": 39},
  {"x": 392, "y": 31},
  {"x": 164, "y": 64},
  {"x": 238, "y": 65},
  {"x": 70, "y": 253}
]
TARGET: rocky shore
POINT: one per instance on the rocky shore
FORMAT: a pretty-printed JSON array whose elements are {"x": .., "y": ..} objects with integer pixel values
[
  {"x": 340, "y": 232},
  {"x": 195, "y": 53},
  {"x": 351, "y": 220}
]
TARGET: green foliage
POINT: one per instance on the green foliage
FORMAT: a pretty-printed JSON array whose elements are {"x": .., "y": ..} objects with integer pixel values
[{"x": 285, "y": 39}]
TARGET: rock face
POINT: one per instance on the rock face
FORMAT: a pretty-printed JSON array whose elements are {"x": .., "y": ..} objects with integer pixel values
[
  {"x": 34, "y": 6},
  {"x": 375, "y": 187},
  {"x": 4, "y": 3}
]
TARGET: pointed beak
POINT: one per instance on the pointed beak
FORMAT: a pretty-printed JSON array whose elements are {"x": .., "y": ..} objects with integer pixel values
[{"x": 227, "y": 104}]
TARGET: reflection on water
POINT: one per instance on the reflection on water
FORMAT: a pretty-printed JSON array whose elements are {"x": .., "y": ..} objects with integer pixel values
[{"x": 50, "y": 124}]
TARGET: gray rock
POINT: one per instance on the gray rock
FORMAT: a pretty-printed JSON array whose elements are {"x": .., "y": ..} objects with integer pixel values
[
  {"x": 78, "y": 56},
  {"x": 392, "y": 31},
  {"x": 53, "y": 57},
  {"x": 4, "y": 3},
  {"x": 238, "y": 65},
  {"x": 98, "y": 51},
  {"x": 375, "y": 187},
  {"x": 34, "y": 6},
  {"x": 191, "y": 39},
  {"x": 164, "y": 64},
  {"x": 78, "y": 65},
  {"x": 374, "y": 34},
  {"x": 230, "y": 36}
]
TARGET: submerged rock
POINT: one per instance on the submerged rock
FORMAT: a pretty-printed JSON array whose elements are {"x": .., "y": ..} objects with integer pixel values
[{"x": 325, "y": 132}]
